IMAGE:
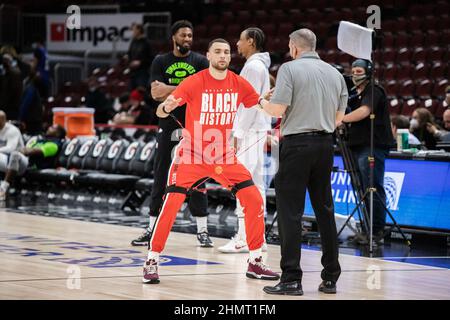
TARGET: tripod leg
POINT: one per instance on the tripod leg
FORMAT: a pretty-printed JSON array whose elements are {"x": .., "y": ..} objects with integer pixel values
[
  {"x": 393, "y": 220},
  {"x": 358, "y": 204},
  {"x": 347, "y": 221}
]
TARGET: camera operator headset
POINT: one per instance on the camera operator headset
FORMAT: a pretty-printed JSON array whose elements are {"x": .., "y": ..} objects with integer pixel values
[{"x": 359, "y": 125}]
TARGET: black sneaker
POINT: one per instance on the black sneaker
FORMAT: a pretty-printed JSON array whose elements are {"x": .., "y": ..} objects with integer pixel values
[
  {"x": 204, "y": 240},
  {"x": 143, "y": 240},
  {"x": 328, "y": 286}
]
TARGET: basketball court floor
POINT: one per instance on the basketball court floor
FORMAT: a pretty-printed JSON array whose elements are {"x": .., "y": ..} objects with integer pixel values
[{"x": 53, "y": 258}]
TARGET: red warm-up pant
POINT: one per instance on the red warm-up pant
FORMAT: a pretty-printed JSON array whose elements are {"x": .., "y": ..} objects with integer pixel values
[{"x": 185, "y": 175}]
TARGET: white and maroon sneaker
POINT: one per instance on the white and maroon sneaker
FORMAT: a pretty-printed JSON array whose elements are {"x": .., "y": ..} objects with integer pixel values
[
  {"x": 150, "y": 272},
  {"x": 238, "y": 245},
  {"x": 258, "y": 270}
]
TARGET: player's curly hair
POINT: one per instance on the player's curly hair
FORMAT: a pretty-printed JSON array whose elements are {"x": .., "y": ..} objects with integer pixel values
[{"x": 177, "y": 25}]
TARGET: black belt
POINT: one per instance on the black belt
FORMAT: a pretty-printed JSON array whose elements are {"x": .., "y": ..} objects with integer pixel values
[{"x": 312, "y": 133}]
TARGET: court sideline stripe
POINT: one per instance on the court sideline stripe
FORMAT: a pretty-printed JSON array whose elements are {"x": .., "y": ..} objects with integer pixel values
[{"x": 202, "y": 274}]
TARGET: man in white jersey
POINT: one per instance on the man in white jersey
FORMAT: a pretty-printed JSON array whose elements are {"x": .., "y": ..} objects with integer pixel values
[
  {"x": 10, "y": 140},
  {"x": 251, "y": 126}
]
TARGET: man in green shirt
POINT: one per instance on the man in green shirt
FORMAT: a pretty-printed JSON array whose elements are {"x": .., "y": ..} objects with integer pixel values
[{"x": 41, "y": 153}]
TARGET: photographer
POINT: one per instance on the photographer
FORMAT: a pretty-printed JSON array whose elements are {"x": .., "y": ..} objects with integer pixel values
[{"x": 359, "y": 138}]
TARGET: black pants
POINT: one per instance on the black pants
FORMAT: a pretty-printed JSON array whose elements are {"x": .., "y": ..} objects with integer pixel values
[
  {"x": 198, "y": 201},
  {"x": 305, "y": 164},
  {"x": 139, "y": 78}
]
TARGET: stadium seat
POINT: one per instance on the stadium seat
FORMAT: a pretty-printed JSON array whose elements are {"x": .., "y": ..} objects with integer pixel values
[
  {"x": 200, "y": 31},
  {"x": 296, "y": 16},
  {"x": 419, "y": 55},
  {"x": 388, "y": 40},
  {"x": 438, "y": 71},
  {"x": 443, "y": 23},
  {"x": 270, "y": 30},
  {"x": 429, "y": 104},
  {"x": 227, "y": 17},
  {"x": 392, "y": 88},
  {"x": 429, "y": 23},
  {"x": 285, "y": 29},
  {"x": 76, "y": 161},
  {"x": 389, "y": 56},
  {"x": 402, "y": 39},
  {"x": 261, "y": 17},
  {"x": 117, "y": 157},
  {"x": 243, "y": 18},
  {"x": 442, "y": 7},
  {"x": 421, "y": 70},
  {"x": 404, "y": 56},
  {"x": 409, "y": 105},
  {"x": 233, "y": 30},
  {"x": 61, "y": 173},
  {"x": 439, "y": 89},
  {"x": 435, "y": 54},
  {"x": 423, "y": 89},
  {"x": 407, "y": 89},
  {"x": 216, "y": 30},
  {"x": 432, "y": 39},
  {"x": 417, "y": 39},
  {"x": 405, "y": 72},
  {"x": 395, "y": 106},
  {"x": 278, "y": 16}
]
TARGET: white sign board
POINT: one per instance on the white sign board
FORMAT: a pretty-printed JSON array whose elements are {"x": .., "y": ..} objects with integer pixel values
[
  {"x": 355, "y": 40},
  {"x": 97, "y": 32}
]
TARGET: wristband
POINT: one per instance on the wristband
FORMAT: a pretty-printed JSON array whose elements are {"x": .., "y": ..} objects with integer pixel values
[
  {"x": 259, "y": 103},
  {"x": 164, "y": 110}
]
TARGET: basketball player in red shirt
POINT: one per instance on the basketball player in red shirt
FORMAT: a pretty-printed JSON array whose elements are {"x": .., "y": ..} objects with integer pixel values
[{"x": 212, "y": 96}]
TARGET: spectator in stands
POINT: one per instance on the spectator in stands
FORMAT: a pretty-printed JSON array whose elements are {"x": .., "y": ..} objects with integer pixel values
[
  {"x": 31, "y": 110},
  {"x": 402, "y": 122},
  {"x": 421, "y": 126},
  {"x": 10, "y": 86},
  {"x": 123, "y": 103},
  {"x": 10, "y": 141},
  {"x": 96, "y": 99},
  {"x": 40, "y": 154},
  {"x": 23, "y": 66},
  {"x": 139, "y": 112},
  {"x": 442, "y": 135},
  {"x": 139, "y": 58},
  {"x": 40, "y": 66}
]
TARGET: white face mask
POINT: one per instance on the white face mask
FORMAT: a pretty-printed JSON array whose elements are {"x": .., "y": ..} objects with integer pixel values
[{"x": 414, "y": 124}]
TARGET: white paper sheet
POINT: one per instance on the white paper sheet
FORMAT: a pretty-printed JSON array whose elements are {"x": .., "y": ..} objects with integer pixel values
[{"x": 355, "y": 40}]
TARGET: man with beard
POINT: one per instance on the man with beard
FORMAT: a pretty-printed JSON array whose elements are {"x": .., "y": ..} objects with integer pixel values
[
  {"x": 212, "y": 98},
  {"x": 167, "y": 72}
]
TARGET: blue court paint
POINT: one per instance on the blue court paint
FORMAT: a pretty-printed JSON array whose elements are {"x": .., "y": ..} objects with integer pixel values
[
  {"x": 440, "y": 262},
  {"x": 95, "y": 256}
]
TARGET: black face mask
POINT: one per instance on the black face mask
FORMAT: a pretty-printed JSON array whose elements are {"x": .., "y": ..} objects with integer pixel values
[{"x": 183, "y": 50}]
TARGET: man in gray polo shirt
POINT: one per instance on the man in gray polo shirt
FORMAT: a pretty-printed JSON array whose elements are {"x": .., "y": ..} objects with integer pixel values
[{"x": 311, "y": 96}]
